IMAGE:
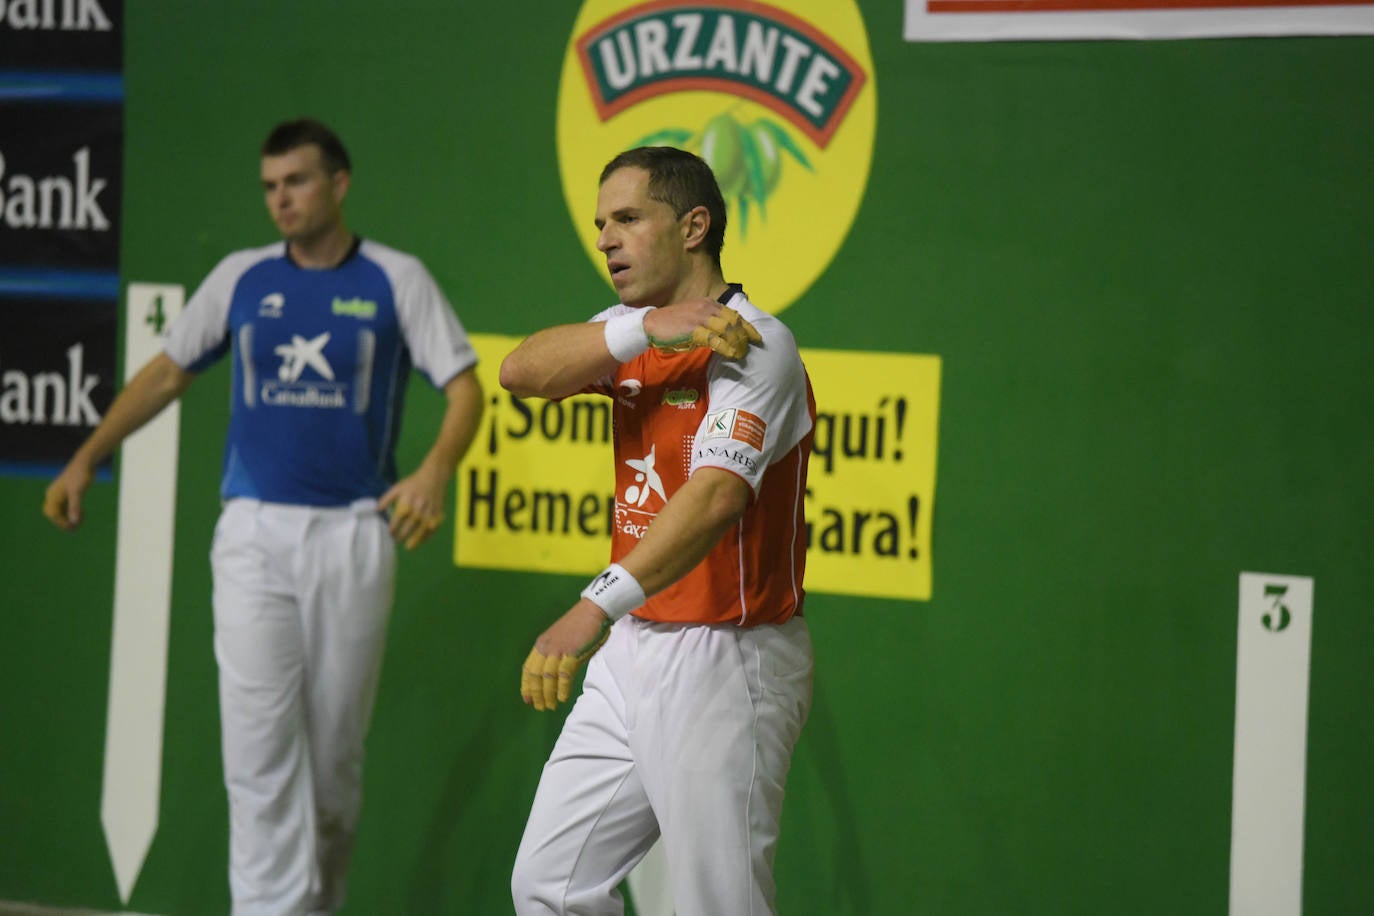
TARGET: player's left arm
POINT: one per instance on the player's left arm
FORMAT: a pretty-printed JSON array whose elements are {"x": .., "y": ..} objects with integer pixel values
[
  {"x": 709, "y": 504},
  {"x": 417, "y": 501},
  {"x": 699, "y": 514}
]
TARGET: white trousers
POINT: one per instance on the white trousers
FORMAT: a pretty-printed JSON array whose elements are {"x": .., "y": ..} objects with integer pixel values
[
  {"x": 301, "y": 597},
  {"x": 683, "y": 731}
]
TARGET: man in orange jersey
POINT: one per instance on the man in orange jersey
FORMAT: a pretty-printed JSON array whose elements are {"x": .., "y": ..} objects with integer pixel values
[{"x": 691, "y": 708}]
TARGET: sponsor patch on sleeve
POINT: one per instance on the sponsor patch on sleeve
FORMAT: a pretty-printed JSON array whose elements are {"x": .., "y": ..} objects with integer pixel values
[{"x": 740, "y": 425}]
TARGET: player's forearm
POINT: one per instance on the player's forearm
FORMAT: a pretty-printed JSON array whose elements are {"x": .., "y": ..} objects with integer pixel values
[
  {"x": 156, "y": 385},
  {"x": 457, "y": 429},
  {"x": 558, "y": 361},
  {"x": 688, "y": 527}
]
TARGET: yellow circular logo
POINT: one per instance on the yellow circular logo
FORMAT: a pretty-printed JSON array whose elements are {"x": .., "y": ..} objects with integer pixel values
[{"x": 780, "y": 102}]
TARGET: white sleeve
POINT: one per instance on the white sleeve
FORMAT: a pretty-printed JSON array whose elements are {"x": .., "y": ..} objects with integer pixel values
[
  {"x": 757, "y": 406},
  {"x": 438, "y": 344},
  {"x": 200, "y": 334}
]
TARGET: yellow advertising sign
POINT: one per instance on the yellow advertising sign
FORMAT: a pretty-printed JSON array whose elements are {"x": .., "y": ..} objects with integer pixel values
[
  {"x": 780, "y": 99},
  {"x": 535, "y": 490},
  {"x": 871, "y": 485}
]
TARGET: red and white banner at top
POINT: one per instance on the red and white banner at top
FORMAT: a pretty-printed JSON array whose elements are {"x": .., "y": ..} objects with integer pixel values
[{"x": 1024, "y": 20}]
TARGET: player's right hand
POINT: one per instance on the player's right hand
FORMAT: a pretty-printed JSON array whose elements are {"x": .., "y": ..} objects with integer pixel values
[
  {"x": 62, "y": 501},
  {"x": 547, "y": 675},
  {"x": 701, "y": 323}
]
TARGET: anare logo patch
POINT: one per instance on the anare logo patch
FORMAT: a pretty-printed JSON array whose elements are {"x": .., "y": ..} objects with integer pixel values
[
  {"x": 740, "y": 425},
  {"x": 781, "y": 102}
]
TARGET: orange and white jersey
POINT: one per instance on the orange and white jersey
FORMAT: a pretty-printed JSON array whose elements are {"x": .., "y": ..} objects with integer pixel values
[{"x": 677, "y": 412}]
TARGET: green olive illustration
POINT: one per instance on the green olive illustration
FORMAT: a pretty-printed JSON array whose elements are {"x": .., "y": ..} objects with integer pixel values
[
  {"x": 769, "y": 154},
  {"x": 747, "y": 161},
  {"x": 722, "y": 148}
]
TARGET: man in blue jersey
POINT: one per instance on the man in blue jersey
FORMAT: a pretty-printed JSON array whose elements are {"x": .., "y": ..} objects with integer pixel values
[{"x": 323, "y": 329}]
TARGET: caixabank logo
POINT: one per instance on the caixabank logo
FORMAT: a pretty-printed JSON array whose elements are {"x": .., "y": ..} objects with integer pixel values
[{"x": 780, "y": 102}]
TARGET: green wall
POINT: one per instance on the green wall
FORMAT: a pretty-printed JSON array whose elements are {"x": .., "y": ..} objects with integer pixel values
[{"x": 1147, "y": 269}]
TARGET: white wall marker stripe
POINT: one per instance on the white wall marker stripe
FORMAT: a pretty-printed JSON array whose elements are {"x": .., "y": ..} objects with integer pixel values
[
  {"x": 1273, "y": 658},
  {"x": 142, "y": 601}
]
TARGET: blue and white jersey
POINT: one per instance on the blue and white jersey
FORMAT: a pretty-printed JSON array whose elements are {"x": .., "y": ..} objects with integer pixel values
[{"x": 321, "y": 361}]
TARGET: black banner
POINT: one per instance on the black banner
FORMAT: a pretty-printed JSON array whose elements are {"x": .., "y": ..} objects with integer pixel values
[
  {"x": 71, "y": 35},
  {"x": 57, "y": 373},
  {"x": 60, "y": 185}
]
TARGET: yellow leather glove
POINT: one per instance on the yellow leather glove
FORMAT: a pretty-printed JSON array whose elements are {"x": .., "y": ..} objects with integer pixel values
[
  {"x": 725, "y": 332},
  {"x": 546, "y": 680}
]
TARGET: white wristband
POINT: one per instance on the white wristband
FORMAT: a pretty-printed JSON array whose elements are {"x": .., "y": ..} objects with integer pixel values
[
  {"x": 615, "y": 591},
  {"x": 625, "y": 335}
]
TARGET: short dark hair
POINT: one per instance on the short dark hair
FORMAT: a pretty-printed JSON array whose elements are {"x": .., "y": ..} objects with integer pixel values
[
  {"x": 289, "y": 135},
  {"x": 680, "y": 180}
]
